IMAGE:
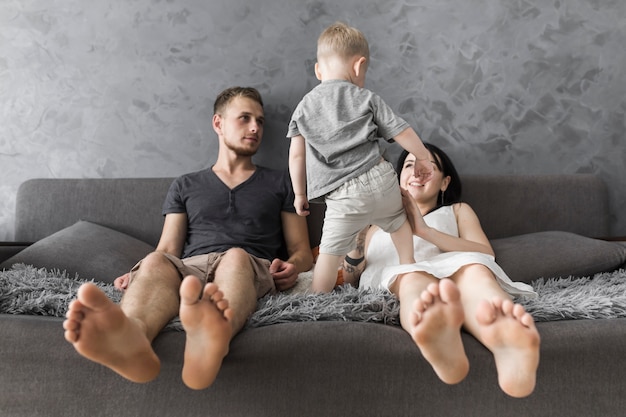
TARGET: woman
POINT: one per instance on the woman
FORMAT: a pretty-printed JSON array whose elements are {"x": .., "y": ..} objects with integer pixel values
[{"x": 454, "y": 284}]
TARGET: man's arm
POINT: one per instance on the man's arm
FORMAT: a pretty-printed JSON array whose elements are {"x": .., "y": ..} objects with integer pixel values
[
  {"x": 172, "y": 241},
  {"x": 174, "y": 234},
  {"x": 296, "y": 236}
]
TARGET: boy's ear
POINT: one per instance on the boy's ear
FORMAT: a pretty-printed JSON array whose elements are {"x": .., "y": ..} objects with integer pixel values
[
  {"x": 318, "y": 74},
  {"x": 360, "y": 66}
]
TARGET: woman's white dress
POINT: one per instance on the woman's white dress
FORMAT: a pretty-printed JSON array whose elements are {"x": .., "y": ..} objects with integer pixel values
[{"x": 383, "y": 265}]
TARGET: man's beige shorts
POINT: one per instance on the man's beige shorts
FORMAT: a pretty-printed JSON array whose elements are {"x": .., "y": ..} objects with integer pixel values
[{"x": 204, "y": 267}]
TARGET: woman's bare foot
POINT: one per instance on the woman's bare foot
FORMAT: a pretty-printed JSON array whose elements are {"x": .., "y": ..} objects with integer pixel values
[
  {"x": 101, "y": 332},
  {"x": 206, "y": 319},
  {"x": 509, "y": 332},
  {"x": 436, "y": 329}
]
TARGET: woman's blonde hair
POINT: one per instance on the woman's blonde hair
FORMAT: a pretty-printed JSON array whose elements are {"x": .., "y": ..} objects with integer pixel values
[{"x": 343, "y": 41}]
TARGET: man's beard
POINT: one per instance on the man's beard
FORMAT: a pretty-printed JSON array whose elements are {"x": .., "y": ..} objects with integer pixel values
[{"x": 241, "y": 150}]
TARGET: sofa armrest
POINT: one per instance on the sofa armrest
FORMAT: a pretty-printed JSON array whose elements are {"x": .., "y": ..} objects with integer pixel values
[{"x": 8, "y": 249}]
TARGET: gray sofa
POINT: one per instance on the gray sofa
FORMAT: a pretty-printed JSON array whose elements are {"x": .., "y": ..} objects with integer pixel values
[{"x": 540, "y": 226}]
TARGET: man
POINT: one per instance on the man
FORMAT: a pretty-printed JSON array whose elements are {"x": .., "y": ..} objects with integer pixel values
[{"x": 227, "y": 223}]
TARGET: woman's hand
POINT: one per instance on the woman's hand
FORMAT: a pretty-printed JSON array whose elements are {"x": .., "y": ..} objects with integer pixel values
[{"x": 418, "y": 225}]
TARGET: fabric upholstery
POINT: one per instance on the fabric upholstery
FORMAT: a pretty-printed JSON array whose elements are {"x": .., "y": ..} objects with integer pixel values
[
  {"x": 556, "y": 254},
  {"x": 128, "y": 205},
  {"x": 87, "y": 249}
]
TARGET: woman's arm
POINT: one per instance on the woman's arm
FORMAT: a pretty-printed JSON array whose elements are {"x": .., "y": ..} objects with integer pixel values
[{"x": 471, "y": 238}]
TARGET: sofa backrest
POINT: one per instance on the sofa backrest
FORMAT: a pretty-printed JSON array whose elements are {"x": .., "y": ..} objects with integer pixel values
[
  {"x": 506, "y": 205},
  {"x": 511, "y": 205},
  {"x": 129, "y": 205}
]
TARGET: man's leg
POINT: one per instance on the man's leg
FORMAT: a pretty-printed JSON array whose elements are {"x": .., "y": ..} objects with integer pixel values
[
  {"x": 120, "y": 336},
  {"x": 214, "y": 315}
]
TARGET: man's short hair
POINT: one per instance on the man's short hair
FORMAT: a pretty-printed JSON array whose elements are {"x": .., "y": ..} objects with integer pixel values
[
  {"x": 342, "y": 40},
  {"x": 225, "y": 97}
]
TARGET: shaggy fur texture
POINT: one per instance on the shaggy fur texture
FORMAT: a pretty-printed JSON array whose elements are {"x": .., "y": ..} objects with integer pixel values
[{"x": 28, "y": 290}]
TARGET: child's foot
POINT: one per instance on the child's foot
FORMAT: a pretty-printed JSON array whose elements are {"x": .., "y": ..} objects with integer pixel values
[
  {"x": 510, "y": 333},
  {"x": 436, "y": 329},
  {"x": 207, "y": 322},
  {"x": 101, "y": 332}
]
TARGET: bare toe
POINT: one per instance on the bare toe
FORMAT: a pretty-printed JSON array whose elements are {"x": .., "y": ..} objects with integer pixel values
[
  {"x": 510, "y": 333},
  {"x": 100, "y": 331},
  {"x": 208, "y": 327},
  {"x": 437, "y": 331}
]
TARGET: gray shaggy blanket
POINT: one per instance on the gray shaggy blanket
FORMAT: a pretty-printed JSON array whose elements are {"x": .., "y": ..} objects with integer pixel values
[{"x": 25, "y": 289}]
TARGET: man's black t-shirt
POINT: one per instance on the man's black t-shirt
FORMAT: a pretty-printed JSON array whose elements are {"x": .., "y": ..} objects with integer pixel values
[{"x": 248, "y": 216}]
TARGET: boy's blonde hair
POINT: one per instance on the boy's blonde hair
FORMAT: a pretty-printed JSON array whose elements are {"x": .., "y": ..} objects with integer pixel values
[{"x": 343, "y": 41}]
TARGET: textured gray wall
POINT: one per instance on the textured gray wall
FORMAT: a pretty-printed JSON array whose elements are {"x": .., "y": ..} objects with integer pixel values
[{"x": 123, "y": 88}]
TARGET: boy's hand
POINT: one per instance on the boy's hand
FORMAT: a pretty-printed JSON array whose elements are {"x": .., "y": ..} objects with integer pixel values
[
  {"x": 423, "y": 170},
  {"x": 301, "y": 203}
]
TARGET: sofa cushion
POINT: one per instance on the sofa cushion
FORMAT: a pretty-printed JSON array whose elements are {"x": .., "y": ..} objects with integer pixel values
[
  {"x": 87, "y": 249},
  {"x": 556, "y": 254}
]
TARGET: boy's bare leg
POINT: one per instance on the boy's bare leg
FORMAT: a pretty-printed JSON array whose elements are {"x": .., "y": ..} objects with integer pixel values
[
  {"x": 112, "y": 334},
  {"x": 214, "y": 315},
  {"x": 431, "y": 312},
  {"x": 325, "y": 273},
  {"x": 505, "y": 328}
]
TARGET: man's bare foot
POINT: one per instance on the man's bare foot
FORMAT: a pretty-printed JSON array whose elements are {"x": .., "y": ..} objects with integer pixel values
[
  {"x": 101, "y": 332},
  {"x": 206, "y": 319},
  {"x": 437, "y": 319},
  {"x": 510, "y": 333}
]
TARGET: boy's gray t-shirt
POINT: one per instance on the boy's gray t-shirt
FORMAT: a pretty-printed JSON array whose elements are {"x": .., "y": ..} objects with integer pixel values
[{"x": 341, "y": 124}]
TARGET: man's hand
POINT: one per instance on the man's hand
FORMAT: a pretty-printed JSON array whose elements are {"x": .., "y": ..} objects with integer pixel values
[
  {"x": 121, "y": 283},
  {"x": 284, "y": 273}
]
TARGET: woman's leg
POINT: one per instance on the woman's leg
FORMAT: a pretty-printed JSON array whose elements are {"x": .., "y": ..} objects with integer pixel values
[
  {"x": 505, "y": 328},
  {"x": 432, "y": 314}
]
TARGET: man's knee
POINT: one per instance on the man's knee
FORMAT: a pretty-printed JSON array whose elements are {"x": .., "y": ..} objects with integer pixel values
[
  {"x": 155, "y": 260},
  {"x": 235, "y": 260},
  {"x": 236, "y": 256},
  {"x": 152, "y": 265}
]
